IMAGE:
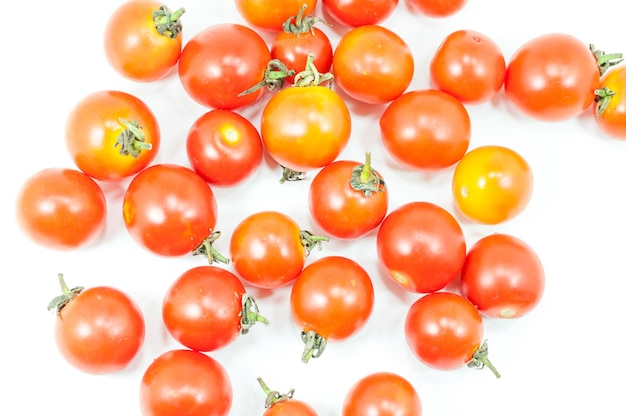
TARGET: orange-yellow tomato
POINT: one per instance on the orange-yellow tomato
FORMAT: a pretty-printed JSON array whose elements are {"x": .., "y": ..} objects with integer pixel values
[
  {"x": 269, "y": 15},
  {"x": 611, "y": 109}
]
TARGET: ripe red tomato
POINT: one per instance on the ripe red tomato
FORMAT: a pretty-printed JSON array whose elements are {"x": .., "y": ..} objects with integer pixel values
[
  {"x": 610, "y": 113},
  {"x": 373, "y": 64},
  {"x": 61, "y": 208},
  {"x": 207, "y": 308},
  {"x": 278, "y": 404},
  {"x": 185, "y": 382},
  {"x": 222, "y": 61},
  {"x": 143, "y": 39},
  {"x": 469, "y": 66},
  {"x": 355, "y": 13},
  {"x": 305, "y": 128},
  {"x": 426, "y": 129},
  {"x": 224, "y": 147},
  {"x": 270, "y": 15},
  {"x": 348, "y": 199},
  {"x": 169, "y": 209},
  {"x": 124, "y": 135},
  {"x": 502, "y": 276},
  {"x": 436, "y": 8},
  {"x": 444, "y": 331},
  {"x": 98, "y": 330},
  {"x": 421, "y": 247},
  {"x": 268, "y": 249},
  {"x": 382, "y": 393},
  {"x": 492, "y": 184},
  {"x": 331, "y": 300}
]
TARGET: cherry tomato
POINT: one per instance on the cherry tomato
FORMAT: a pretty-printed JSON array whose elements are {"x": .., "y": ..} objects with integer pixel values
[
  {"x": 355, "y": 13},
  {"x": 373, "y": 64},
  {"x": 492, "y": 184},
  {"x": 436, "y": 8},
  {"x": 169, "y": 209},
  {"x": 185, "y": 382},
  {"x": 98, "y": 330},
  {"x": 610, "y": 113},
  {"x": 61, "y": 208},
  {"x": 444, "y": 331},
  {"x": 224, "y": 147},
  {"x": 469, "y": 66},
  {"x": 348, "y": 199},
  {"x": 268, "y": 249},
  {"x": 331, "y": 300},
  {"x": 502, "y": 276},
  {"x": 305, "y": 128},
  {"x": 269, "y": 15},
  {"x": 221, "y": 62},
  {"x": 426, "y": 129},
  {"x": 283, "y": 404},
  {"x": 382, "y": 393},
  {"x": 207, "y": 308},
  {"x": 143, "y": 39},
  {"x": 124, "y": 135},
  {"x": 421, "y": 247}
]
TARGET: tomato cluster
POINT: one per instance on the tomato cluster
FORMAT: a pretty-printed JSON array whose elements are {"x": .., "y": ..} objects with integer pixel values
[{"x": 301, "y": 87}]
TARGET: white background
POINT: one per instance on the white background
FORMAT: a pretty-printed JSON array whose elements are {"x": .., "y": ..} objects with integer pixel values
[{"x": 566, "y": 357}]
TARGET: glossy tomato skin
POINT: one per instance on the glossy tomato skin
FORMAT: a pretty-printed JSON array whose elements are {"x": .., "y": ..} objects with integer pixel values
[
  {"x": 612, "y": 120},
  {"x": 373, "y": 64},
  {"x": 224, "y": 147},
  {"x": 305, "y": 128},
  {"x": 293, "y": 50},
  {"x": 100, "y": 331},
  {"x": 492, "y": 184},
  {"x": 61, "y": 208},
  {"x": 437, "y": 8},
  {"x": 382, "y": 393},
  {"x": 269, "y": 15},
  {"x": 169, "y": 209},
  {"x": 468, "y": 65},
  {"x": 355, "y": 13},
  {"x": 426, "y": 129},
  {"x": 503, "y": 277},
  {"x": 133, "y": 45},
  {"x": 340, "y": 209},
  {"x": 222, "y": 61},
  {"x": 421, "y": 247},
  {"x": 552, "y": 77},
  {"x": 97, "y": 116},
  {"x": 443, "y": 330},
  {"x": 185, "y": 382},
  {"x": 291, "y": 407}
]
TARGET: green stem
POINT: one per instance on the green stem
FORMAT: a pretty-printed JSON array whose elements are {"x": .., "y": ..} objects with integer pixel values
[
  {"x": 167, "y": 23},
  {"x": 272, "y": 396},
  {"x": 311, "y": 241},
  {"x": 65, "y": 297},
  {"x": 364, "y": 178},
  {"x": 605, "y": 61},
  {"x": 290, "y": 175},
  {"x": 131, "y": 140},
  {"x": 603, "y": 98},
  {"x": 250, "y": 314},
  {"x": 301, "y": 24},
  {"x": 206, "y": 249},
  {"x": 311, "y": 76},
  {"x": 314, "y": 345},
  {"x": 480, "y": 360},
  {"x": 273, "y": 77}
]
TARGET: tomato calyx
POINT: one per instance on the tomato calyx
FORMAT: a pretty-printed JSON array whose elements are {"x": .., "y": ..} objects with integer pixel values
[
  {"x": 480, "y": 359},
  {"x": 301, "y": 24},
  {"x": 131, "y": 140},
  {"x": 167, "y": 23},
  {"x": 290, "y": 175},
  {"x": 65, "y": 297},
  {"x": 250, "y": 314},
  {"x": 206, "y": 249},
  {"x": 272, "y": 396},
  {"x": 603, "y": 98},
  {"x": 310, "y": 241},
  {"x": 365, "y": 180},
  {"x": 314, "y": 345},
  {"x": 311, "y": 76},
  {"x": 605, "y": 61},
  {"x": 273, "y": 77}
]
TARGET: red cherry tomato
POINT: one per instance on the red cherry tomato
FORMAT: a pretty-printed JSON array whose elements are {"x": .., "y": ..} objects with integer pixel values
[
  {"x": 610, "y": 114},
  {"x": 436, "y": 8},
  {"x": 355, "y": 13},
  {"x": 421, "y": 247},
  {"x": 382, "y": 393},
  {"x": 269, "y": 15},
  {"x": 278, "y": 404}
]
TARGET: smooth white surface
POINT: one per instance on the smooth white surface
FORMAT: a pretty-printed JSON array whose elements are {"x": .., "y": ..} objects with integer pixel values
[{"x": 566, "y": 357}]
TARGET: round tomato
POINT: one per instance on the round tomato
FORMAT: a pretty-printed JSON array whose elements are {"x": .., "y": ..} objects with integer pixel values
[
  {"x": 61, "y": 208},
  {"x": 502, "y": 276},
  {"x": 98, "y": 330},
  {"x": 348, "y": 199},
  {"x": 124, "y": 135},
  {"x": 278, "y": 404},
  {"x": 436, "y": 8},
  {"x": 185, "y": 382},
  {"x": 331, "y": 300},
  {"x": 469, "y": 66},
  {"x": 270, "y": 15},
  {"x": 169, "y": 209},
  {"x": 143, "y": 39},
  {"x": 221, "y": 62},
  {"x": 207, "y": 308},
  {"x": 382, "y": 393},
  {"x": 610, "y": 113},
  {"x": 492, "y": 184},
  {"x": 224, "y": 147},
  {"x": 373, "y": 64},
  {"x": 355, "y": 13},
  {"x": 421, "y": 247},
  {"x": 426, "y": 129},
  {"x": 444, "y": 331},
  {"x": 305, "y": 128},
  {"x": 268, "y": 249}
]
